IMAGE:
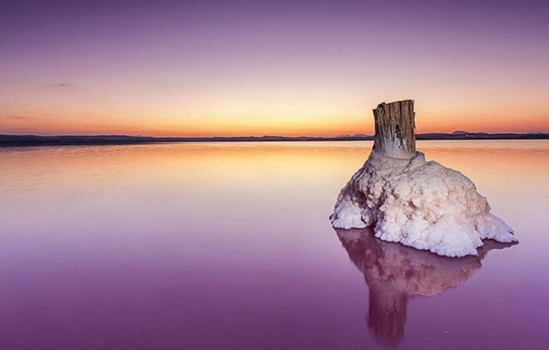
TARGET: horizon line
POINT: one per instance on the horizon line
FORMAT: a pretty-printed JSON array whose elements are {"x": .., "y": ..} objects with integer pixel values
[{"x": 455, "y": 133}]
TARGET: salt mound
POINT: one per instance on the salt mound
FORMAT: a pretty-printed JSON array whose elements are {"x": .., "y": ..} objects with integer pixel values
[
  {"x": 408, "y": 200},
  {"x": 419, "y": 204}
]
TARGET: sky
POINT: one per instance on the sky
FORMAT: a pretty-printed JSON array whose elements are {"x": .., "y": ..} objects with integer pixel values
[{"x": 238, "y": 68}]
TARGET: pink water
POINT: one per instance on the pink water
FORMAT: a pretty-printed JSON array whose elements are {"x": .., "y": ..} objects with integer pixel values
[{"x": 228, "y": 246}]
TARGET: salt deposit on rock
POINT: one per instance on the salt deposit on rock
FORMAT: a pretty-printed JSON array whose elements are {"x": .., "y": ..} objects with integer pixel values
[{"x": 409, "y": 200}]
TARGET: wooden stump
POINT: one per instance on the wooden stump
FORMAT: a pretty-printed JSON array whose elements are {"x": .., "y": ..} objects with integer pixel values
[{"x": 394, "y": 127}]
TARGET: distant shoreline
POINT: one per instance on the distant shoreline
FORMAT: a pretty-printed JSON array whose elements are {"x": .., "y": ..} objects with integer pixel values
[{"x": 77, "y": 140}]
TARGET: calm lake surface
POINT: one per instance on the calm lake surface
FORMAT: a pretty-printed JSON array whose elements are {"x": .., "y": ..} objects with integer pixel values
[{"x": 229, "y": 246}]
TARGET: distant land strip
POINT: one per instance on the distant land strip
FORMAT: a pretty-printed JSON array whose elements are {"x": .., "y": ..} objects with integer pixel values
[{"x": 78, "y": 140}]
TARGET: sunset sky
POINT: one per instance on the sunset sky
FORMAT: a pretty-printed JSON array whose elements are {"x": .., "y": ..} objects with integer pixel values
[{"x": 222, "y": 67}]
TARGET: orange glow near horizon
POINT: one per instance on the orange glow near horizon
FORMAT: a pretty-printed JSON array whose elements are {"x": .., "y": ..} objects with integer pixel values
[{"x": 325, "y": 126}]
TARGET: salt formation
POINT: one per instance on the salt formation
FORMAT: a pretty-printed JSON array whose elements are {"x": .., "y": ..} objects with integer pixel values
[
  {"x": 409, "y": 200},
  {"x": 394, "y": 273}
]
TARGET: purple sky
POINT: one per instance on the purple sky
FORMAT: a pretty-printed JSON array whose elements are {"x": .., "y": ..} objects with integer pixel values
[{"x": 286, "y": 67}]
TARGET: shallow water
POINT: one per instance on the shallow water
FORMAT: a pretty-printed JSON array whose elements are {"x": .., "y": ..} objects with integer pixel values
[{"x": 228, "y": 246}]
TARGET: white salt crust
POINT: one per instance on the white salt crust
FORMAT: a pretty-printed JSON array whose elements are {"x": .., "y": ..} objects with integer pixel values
[{"x": 419, "y": 204}]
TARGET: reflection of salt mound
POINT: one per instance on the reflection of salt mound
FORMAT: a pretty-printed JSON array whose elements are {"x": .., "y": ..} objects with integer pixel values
[
  {"x": 417, "y": 203},
  {"x": 394, "y": 273}
]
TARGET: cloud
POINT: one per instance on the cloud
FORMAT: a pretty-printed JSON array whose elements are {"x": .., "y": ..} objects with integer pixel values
[
  {"x": 67, "y": 86},
  {"x": 61, "y": 85},
  {"x": 18, "y": 117},
  {"x": 64, "y": 85}
]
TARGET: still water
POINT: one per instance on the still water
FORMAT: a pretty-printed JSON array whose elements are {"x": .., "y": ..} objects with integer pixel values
[{"x": 229, "y": 246}]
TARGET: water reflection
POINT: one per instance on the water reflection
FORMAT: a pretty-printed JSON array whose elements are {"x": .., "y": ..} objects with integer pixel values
[{"x": 394, "y": 273}]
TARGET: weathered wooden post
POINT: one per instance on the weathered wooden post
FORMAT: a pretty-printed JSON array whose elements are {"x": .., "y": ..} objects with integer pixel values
[
  {"x": 394, "y": 129},
  {"x": 405, "y": 198}
]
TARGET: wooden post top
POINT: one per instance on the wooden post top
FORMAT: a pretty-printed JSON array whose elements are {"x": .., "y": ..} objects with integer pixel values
[{"x": 394, "y": 129}]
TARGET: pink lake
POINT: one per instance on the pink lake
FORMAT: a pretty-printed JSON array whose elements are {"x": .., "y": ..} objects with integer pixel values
[{"x": 229, "y": 246}]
